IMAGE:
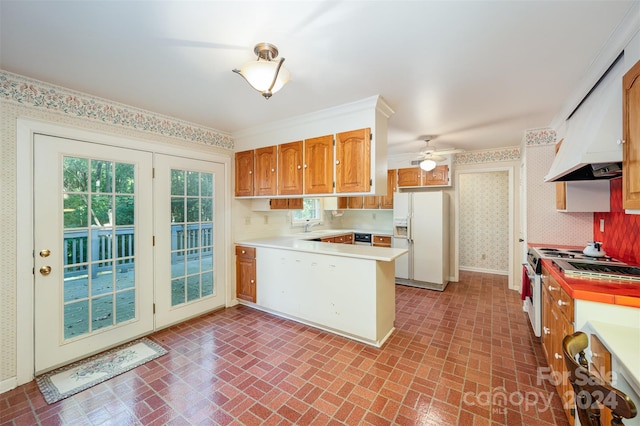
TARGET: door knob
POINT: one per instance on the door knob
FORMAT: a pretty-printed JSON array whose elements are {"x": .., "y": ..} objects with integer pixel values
[
  {"x": 45, "y": 253},
  {"x": 45, "y": 270}
]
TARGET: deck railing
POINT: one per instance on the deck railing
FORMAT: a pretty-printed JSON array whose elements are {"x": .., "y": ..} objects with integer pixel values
[{"x": 188, "y": 241}]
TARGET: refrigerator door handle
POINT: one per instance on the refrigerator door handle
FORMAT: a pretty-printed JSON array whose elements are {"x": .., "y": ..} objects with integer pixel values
[{"x": 409, "y": 229}]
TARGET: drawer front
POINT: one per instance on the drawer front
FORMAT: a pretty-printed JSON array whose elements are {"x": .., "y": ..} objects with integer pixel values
[
  {"x": 565, "y": 303},
  {"x": 339, "y": 239},
  {"x": 348, "y": 239},
  {"x": 243, "y": 251},
  {"x": 379, "y": 239}
]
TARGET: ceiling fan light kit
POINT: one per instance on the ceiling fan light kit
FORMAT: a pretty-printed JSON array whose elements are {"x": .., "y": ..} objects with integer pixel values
[
  {"x": 266, "y": 75},
  {"x": 427, "y": 165}
]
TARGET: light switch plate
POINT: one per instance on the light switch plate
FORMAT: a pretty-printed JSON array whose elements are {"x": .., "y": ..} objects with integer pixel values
[{"x": 601, "y": 225}]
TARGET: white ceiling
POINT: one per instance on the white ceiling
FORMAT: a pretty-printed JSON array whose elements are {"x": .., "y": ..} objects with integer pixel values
[{"x": 475, "y": 73}]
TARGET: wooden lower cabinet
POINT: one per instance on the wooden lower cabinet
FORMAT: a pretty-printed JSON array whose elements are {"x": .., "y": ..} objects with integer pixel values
[
  {"x": 246, "y": 273},
  {"x": 286, "y": 204},
  {"x": 381, "y": 241},
  {"x": 338, "y": 239},
  {"x": 557, "y": 322},
  {"x": 601, "y": 367}
]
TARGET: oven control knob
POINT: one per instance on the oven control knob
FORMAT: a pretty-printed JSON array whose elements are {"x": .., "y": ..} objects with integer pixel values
[
  {"x": 546, "y": 330},
  {"x": 561, "y": 303},
  {"x": 557, "y": 355},
  {"x": 551, "y": 288}
]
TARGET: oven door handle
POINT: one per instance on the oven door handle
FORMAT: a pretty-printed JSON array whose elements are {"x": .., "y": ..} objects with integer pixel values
[{"x": 530, "y": 273}]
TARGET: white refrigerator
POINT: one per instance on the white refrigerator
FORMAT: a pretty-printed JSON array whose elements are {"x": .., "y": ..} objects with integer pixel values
[{"x": 421, "y": 225}]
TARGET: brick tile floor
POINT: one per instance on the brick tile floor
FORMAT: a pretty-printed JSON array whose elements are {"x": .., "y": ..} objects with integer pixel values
[{"x": 465, "y": 356}]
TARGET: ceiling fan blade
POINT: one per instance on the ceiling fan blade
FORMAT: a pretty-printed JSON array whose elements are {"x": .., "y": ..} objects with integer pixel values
[
  {"x": 437, "y": 158},
  {"x": 177, "y": 42}
]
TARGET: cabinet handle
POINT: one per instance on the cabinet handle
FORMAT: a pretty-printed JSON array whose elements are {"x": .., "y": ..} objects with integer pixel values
[
  {"x": 299, "y": 166},
  {"x": 337, "y": 162},
  {"x": 273, "y": 170},
  {"x": 594, "y": 355},
  {"x": 305, "y": 166},
  {"x": 620, "y": 141},
  {"x": 243, "y": 252},
  {"x": 557, "y": 355},
  {"x": 250, "y": 172},
  {"x": 252, "y": 281},
  {"x": 561, "y": 303},
  {"x": 551, "y": 288},
  {"x": 546, "y": 330}
]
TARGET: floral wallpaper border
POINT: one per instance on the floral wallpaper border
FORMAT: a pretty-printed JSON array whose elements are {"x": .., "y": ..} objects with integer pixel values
[
  {"x": 34, "y": 93},
  {"x": 540, "y": 137},
  {"x": 488, "y": 156}
]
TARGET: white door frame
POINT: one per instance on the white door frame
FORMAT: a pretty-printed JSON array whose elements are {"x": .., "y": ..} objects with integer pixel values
[
  {"x": 512, "y": 211},
  {"x": 26, "y": 129}
]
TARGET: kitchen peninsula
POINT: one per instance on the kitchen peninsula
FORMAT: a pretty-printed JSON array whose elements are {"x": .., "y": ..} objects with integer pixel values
[{"x": 345, "y": 289}]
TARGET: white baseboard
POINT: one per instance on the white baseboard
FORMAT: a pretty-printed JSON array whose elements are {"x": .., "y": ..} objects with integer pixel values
[
  {"x": 8, "y": 384},
  {"x": 486, "y": 271}
]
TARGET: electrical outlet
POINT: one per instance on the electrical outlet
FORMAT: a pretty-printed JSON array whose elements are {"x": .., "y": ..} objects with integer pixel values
[
  {"x": 484, "y": 256},
  {"x": 374, "y": 216},
  {"x": 266, "y": 219},
  {"x": 247, "y": 221}
]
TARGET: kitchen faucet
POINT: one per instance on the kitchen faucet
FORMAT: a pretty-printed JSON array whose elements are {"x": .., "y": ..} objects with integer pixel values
[{"x": 308, "y": 225}]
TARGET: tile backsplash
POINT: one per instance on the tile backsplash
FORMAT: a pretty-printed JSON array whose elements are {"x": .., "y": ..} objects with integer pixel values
[{"x": 621, "y": 230}]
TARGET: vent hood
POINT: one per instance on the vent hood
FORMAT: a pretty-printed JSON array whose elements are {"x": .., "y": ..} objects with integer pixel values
[{"x": 592, "y": 146}]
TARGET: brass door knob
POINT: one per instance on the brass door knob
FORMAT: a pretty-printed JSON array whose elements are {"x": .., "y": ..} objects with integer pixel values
[
  {"x": 45, "y": 270},
  {"x": 45, "y": 253}
]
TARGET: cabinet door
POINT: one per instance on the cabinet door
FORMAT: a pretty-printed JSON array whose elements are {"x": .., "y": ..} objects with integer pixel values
[
  {"x": 343, "y": 203},
  {"x": 353, "y": 161},
  {"x": 318, "y": 165},
  {"x": 355, "y": 202},
  {"x": 246, "y": 276},
  {"x": 631, "y": 135},
  {"x": 290, "y": 168},
  {"x": 371, "y": 202},
  {"x": 386, "y": 202},
  {"x": 295, "y": 203},
  {"x": 437, "y": 176},
  {"x": 244, "y": 173},
  {"x": 411, "y": 176},
  {"x": 266, "y": 163},
  {"x": 279, "y": 203}
]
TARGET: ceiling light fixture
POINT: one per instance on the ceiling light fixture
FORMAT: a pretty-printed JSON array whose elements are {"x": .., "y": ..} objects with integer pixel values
[
  {"x": 265, "y": 75},
  {"x": 427, "y": 165}
]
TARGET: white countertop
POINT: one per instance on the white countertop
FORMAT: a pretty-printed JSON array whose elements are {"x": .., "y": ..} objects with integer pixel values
[
  {"x": 624, "y": 344},
  {"x": 299, "y": 242}
]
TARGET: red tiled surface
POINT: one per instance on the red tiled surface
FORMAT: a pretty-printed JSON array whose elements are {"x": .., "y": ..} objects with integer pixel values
[
  {"x": 465, "y": 356},
  {"x": 621, "y": 231}
]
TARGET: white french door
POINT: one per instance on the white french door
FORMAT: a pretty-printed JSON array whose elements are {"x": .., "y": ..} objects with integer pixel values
[
  {"x": 189, "y": 236},
  {"x": 93, "y": 235}
]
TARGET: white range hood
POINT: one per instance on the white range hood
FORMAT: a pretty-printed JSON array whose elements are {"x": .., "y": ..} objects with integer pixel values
[{"x": 592, "y": 139}]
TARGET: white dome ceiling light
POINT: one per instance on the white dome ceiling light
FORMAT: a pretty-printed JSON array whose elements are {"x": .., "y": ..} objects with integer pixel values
[{"x": 265, "y": 75}]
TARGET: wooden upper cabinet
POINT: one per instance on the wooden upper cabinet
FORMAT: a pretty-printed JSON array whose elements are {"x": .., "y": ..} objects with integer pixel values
[
  {"x": 244, "y": 173},
  {"x": 437, "y": 176},
  {"x": 410, "y": 176},
  {"x": 371, "y": 202},
  {"x": 318, "y": 166},
  {"x": 279, "y": 203},
  {"x": 290, "y": 168},
  {"x": 386, "y": 202},
  {"x": 353, "y": 161},
  {"x": 355, "y": 202},
  {"x": 266, "y": 170},
  {"x": 631, "y": 136},
  {"x": 343, "y": 203}
]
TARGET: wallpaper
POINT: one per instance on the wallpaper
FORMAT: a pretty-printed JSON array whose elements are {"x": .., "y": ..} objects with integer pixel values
[
  {"x": 484, "y": 222},
  {"x": 545, "y": 225}
]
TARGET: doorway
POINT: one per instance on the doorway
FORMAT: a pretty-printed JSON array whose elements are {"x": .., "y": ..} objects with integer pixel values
[{"x": 98, "y": 229}]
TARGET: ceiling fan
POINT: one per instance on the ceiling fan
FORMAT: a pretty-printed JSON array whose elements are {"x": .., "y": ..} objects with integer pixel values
[{"x": 429, "y": 156}]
